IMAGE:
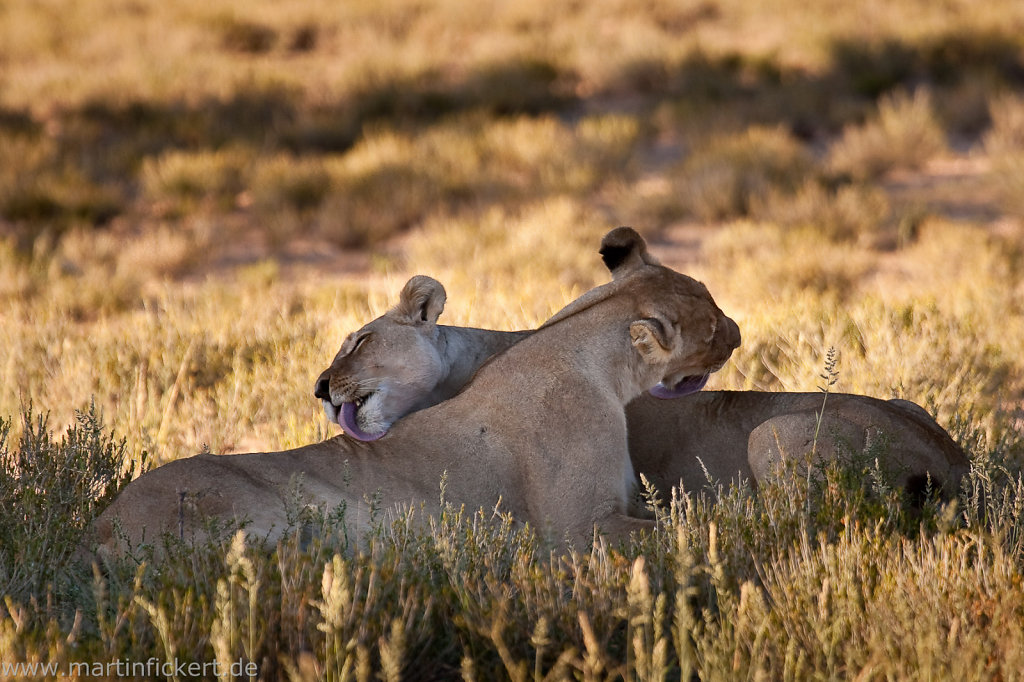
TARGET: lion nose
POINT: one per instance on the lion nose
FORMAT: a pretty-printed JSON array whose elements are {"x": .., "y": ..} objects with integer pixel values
[{"x": 322, "y": 390}]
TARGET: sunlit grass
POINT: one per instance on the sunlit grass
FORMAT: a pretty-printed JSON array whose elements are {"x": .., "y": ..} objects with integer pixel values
[
  {"x": 156, "y": 159},
  {"x": 1005, "y": 144},
  {"x": 905, "y": 134},
  {"x": 938, "y": 330},
  {"x": 727, "y": 175}
]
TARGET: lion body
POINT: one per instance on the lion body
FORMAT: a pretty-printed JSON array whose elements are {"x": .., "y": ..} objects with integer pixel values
[{"x": 720, "y": 436}]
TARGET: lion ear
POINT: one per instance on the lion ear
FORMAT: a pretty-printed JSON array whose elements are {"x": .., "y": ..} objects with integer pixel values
[
  {"x": 623, "y": 250},
  {"x": 421, "y": 301},
  {"x": 653, "y": 338}
]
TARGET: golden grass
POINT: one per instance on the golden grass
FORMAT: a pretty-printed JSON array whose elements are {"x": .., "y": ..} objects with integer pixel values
[
  {"x": 166, "y": 51},
  {"x": 905, "y": 134},
  {"x": 145, "y": 148},
  {"x": 728, "y": 174},
  {"x": 1005, "y": 144},
  {"x": 930, "y": 326}
]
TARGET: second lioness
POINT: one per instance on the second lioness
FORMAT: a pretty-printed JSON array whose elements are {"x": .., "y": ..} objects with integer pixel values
[{"x": 404, "y": 361}]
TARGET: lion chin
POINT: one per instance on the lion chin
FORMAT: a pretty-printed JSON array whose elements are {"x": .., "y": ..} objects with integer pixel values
[
  {"x": 349, "y": 415},
  {"x": 686, "y": 386}
]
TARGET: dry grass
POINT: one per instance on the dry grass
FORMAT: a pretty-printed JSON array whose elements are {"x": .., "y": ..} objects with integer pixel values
[
  {"x": 851, "y": 212},
  {"x": 129, "y": 115},
  {"x": 727, "y": 175},
  {"x": 161, "y": 166},
  {"x": 1005, "y": 144},
  {"x": 936, "y": 331},
  {"x": 905, "y": 134}
]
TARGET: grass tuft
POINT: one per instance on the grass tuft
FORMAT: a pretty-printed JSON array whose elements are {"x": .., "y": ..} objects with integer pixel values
[
  {"x": 241, "y": 35},
  {"x": 180, "y": 181},
  {"x": 726, "y": 176},
  {"x": 1004, "y": 143},
  {"x": 905, "y": 134}
]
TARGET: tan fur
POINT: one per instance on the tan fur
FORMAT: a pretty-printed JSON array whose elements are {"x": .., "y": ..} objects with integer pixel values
[
  {"x": 540, "y": 428},
  {"x": 721, "y": 435}
]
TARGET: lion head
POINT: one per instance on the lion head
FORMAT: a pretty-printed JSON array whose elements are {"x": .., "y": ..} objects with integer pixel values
[
  {"x": 711, "y": 336},
  {"x": 389, "y": 367},
  {"x": 681, "y": 330}
]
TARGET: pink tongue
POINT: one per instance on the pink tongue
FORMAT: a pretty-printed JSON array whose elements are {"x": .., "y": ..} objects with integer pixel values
[
  {"x": 347, "y": 421},
  {"x": 685, "y": 387}
]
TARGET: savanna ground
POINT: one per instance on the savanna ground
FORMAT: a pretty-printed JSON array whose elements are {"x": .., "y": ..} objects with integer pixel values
[{"x": 198, "y": 200}]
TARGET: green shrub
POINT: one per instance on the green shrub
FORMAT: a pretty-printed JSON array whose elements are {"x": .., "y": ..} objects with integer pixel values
[{"x": 49, "y": 493}]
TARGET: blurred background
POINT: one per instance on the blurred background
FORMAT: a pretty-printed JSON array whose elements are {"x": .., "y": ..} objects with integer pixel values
[{"x": 199, "y": 200}]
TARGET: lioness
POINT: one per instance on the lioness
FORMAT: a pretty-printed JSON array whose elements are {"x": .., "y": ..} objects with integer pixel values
[
  {"x": 540, "y": 428},
  {"x": 404, "y": 361}
]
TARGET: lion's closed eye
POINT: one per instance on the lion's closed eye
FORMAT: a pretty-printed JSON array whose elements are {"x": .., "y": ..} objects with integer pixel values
[{"x": 352, "y": 344}]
